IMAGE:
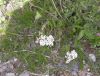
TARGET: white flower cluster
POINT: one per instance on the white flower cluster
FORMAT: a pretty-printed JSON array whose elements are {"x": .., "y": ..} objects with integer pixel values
[
  {"x": 44, "y": 40},
  {"x": 70, "y": 56}
]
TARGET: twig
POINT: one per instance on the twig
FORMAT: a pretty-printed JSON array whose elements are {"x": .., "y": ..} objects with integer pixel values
[
  {"x": 56, "y": 8},
  {"x": 35, "y": 74},
  {"x": 61, "y": 5}
]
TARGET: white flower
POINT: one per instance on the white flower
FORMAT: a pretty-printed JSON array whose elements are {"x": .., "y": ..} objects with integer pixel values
[
  {"x": 70, "y": 56},
  {"x": 50, "y": 37},
  {"x": 47, "y": 42},
  {"x": 92, "y": 57},
  {"x": 74, "y": 54},
  {"x": 44, "y": 40},
  {"x": 42, "y": 43}
]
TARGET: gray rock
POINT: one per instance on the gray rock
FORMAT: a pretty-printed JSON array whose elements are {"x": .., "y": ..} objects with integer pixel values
[
  {"x": 10, "y": 74},
  {"x": 25, "y": 73}
]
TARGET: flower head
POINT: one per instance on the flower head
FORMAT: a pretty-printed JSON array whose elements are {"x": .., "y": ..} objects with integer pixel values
[
  {"x": 44, "y": 40},
  {"x": 70, "y": 56}
]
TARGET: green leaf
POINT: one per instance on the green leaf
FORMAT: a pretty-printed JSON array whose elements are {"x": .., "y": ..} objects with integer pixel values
[
  {"x": 26, "y": 0},
  {"x": 81, "y": 34},
  {"x": 38, "y": 15},
  {"x": 1, "y": 2}
]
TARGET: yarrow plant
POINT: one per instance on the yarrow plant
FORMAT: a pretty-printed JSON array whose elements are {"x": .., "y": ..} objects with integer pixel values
[
  {"x": 44, "y": 40},
  {"x": 70, "y": 56}
]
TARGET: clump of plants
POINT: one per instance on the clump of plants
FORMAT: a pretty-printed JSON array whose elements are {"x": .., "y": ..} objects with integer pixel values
[{"x": 72, "y": 23}]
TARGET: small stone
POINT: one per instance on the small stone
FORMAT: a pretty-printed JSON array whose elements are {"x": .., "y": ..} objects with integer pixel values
[
  {"x": 25, "y": 73},
  {"x": 89, "y": 74},
  {"x": 92, "y": 57},
  {"x": 74, "y": 73},
  {"x": 10, "y": 74}
]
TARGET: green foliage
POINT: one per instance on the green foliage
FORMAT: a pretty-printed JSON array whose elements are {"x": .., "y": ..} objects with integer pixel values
[{"x": 1, "y": 2}]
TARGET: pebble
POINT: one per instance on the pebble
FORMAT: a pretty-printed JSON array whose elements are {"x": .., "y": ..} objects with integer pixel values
[
  {"x": 92, "y": 57},
  {"x": 25, "y": 73},
  {"x": 10, "y": 74}
]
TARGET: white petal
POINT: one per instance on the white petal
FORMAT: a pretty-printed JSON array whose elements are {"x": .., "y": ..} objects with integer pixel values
[
  {"x": 51, "y": 37},
  {"x": 42, "y": 43},
  {"x": 68, "y": 53},
  {"x": 46, "y": 42},
  {"x": 74, "y": 53},
  {"x": 68, "y": 61},
  {"x": 70, "y": 56}
]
